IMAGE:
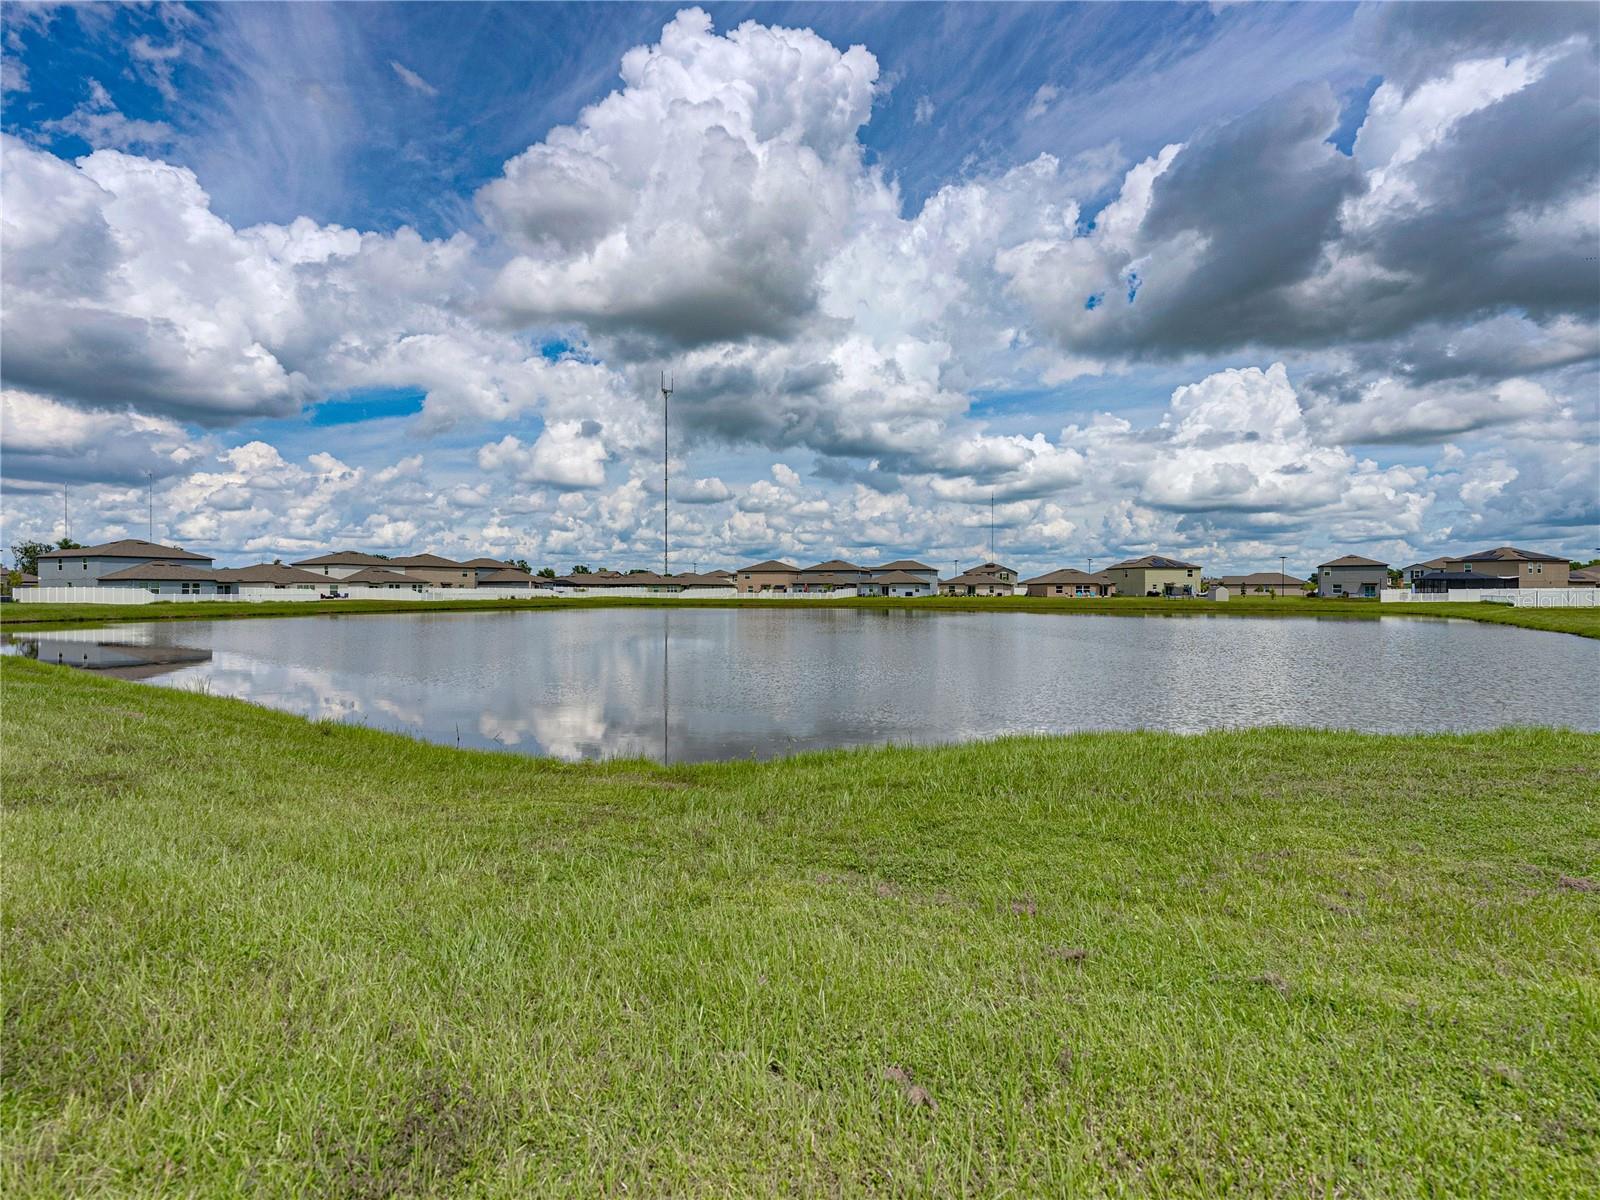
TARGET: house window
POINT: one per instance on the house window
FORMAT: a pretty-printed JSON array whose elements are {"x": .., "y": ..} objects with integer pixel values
[{"x": 190, "y": 589}]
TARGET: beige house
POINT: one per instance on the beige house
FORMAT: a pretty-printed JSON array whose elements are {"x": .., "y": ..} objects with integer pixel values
[
  {"x": 482, "y": 568},
  {"x": 267, "y": 575},
  {"x": 1155, "y": 575},
  {"x": 769, "y": 576},
  {"x": 1068, "y": 582},
  {"x": 974, "y": 583},
  {"x": 1584, "y": 577},
  {"x": 1528, "y": 568},
  {"x": 440, "y": 572},
  {"x": 381, "y": 577},
  {"x": 829, "y": 576},
  {"x": 1351, "y": 576}
]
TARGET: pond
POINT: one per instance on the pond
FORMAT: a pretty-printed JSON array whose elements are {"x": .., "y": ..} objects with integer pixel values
[{"x": 689, "y": 685}]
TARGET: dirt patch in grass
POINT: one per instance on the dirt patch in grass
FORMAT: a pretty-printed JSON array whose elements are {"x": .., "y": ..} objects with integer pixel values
[
  {"x": 428, "y": 1144},
  {"x": 1578, "y": 883}
]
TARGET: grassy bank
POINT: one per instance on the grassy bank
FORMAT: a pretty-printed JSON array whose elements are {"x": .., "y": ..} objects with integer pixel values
[
  {"x": 244, "y": 953},
  {"x": 1585, "y": 622}
]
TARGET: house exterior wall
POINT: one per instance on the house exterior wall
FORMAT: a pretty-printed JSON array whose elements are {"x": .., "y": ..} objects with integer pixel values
[
  {"x": 1527, "y": 574},
  {"x": 1067, "y": 589},
  {"x": 1351, "y": 581},
  {"x": 1141, "y": 581},
  {"x": 333, "y": 571},
  {"x": 86, "y": 572},
  {"x": 765, "y": 581},
  {"x": 450, "y": 577},
  {"x": 988, "y": 588},
  {"x": 873, "y": 588}
]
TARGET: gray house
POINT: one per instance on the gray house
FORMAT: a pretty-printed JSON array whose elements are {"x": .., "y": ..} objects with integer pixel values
[
  {"x": 1350, "y": 576},
  {"x": 87, "y": 566},
  {"x": 164, "y": 579}
]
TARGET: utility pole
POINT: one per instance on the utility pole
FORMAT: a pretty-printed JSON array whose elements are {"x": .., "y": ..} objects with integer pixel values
[
  {"x": 666, "y": 394},
  {"x": 150, "y": 484},
  {"x": 1091, "y": 564},
  {"x": 66, "y": 529},
  {"x": 991, "y": 524},
  {"x": 1282, "y": 571}
]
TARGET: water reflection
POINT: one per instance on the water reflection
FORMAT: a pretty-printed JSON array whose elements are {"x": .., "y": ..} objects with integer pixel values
[{"x": 690, "y": 685}]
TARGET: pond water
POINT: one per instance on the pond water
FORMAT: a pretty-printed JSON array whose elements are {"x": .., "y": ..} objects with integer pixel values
[{"x": 691, "y": 685}]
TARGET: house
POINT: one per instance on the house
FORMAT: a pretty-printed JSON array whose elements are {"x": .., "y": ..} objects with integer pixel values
[
  {"x": 88, "y": 566},
  {"x": 769, "y": 576},
  {"x": 1416, "y": 570},
  {"x": 164, "y": 579},
  {"x": 1528, "y": 568},
  {"x": 995, "y": 571},
  {"x": 909, "y": 566},
  {"x": 507, "y": 577},
  {"x": 1581, "y": 577},
  {"x": 340, "y": 564},
  {"x": 975, "y": 583},
  {"x": 828, "y": 576},
  {"x": 440, "y": 572},
  {"x": 262, "y": 576},
  {"x": 1351, "y": 575},
  {"x": 1443, "y": 582},
  {"x": 1264, "y": 583},
  {"x": 382, "y": 577},
  {"x": 908, "y": 584},
  {"x": 484, "y": 567},
  {"x": 1155, "y": 575},
  {"x": 1068, "y": 582}
]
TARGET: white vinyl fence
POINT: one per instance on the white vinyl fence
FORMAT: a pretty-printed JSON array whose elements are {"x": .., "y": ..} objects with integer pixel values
[{"x": 1516, "y": 597}]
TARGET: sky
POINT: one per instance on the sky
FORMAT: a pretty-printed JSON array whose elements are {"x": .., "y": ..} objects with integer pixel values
[{"x": 1082, "y": 282}]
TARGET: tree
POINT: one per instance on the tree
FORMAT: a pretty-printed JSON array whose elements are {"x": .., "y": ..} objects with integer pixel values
[
  {"x": 521, "y": 564},
  {"x": 27, "y": 555},
  {"x": 580, "y": 569},
  {"x": 546, "y": 573}
]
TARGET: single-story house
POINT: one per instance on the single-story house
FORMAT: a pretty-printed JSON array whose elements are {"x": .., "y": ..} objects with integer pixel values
[
  {"x": 507, "y": 577},
  {"x": 897, "y": 583},
  {"x": 340, "y": 564},
  {"x": 382, "y": 577},
  {"x": 1264, "y": 583},
  {"x": 440, "y": 572},
  {"x": 88, "y": 566},
  {"x": 1070, "y": 582},
  {"x": 828, "y": 576},
  {"x": 973, "y": 583},
  {"x": 1351, "y": 575},
  {"x": 481, "y": 568},
  {"x": 164, "y": 579},
  {"x": 1529, "y": 568},
  {"x": 769, "y": 576},
  {"x": 275, "y": 576},
  {"x": 1156, "y": 575}
]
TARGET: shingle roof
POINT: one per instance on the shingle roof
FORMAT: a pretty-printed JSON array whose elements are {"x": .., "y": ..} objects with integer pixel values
[
  {"x": 268, "y": 573},
  {"x": 1352, "y": 560},
  {"x": 342, "y": 558},
  {"x": 381, "y": 575},
  {"x": 424, "y": 560},
  {"x": 1262, "y": 579},
  {"x": 896, "y": 577},
  {"x": 1155, "y": 562},
  {"x": 1509, "y": 554},
  {"x": 485, "y": 562},
  {"x": 832, "y": 566},
  {"x": 1067, "y": 575},
  {"x": 161, "y": 571},
  {"x": 128, "y": 548},
  {"x": 509, "y": 575},
  {"x": 989, "y": 569},
  {"x": 829, "y": 578},
  {"x": 972, "y": 579},
  {"x": 1583, "y": 574},
  {"x": 771, "y": 566},
  {"x": 904, "y": 564}
]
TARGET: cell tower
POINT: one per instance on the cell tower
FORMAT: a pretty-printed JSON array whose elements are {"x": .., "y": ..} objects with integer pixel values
[{"x": 666, "y": 429}]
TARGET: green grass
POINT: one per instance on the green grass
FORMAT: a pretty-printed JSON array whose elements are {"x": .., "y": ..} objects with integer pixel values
[
  {"x": 244, "y": 953},
  {"x": 1585, "y": 622}
]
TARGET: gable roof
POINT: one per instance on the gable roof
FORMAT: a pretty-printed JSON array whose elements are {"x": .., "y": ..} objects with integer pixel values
[
  {"x": 381, "y": 575},
  {"x": 161, "y": 571},
  {"x": 1433, "y": 564},
  {"x": 1352, "y": 560},
  {"x": 128, "y": 548},
  {"x": 1509, "y": 554},
  {"x": 425, "y": 560},
  {"x": 832, "y": 566},
  {"x": 990, "y": 568},
  {"x": 972, "y": 579},
  {"x": 269, "y": 573},
  {"x": 1154, "y": 562},
  {"x": 770, "y": 567},
  {"x": 342, "y": 558}
]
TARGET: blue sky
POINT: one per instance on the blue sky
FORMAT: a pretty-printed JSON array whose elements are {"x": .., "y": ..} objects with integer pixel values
[{"x": 376, "y": 274}]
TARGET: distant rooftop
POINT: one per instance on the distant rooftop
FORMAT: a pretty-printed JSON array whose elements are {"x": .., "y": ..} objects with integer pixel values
[{"x": 128, "y": 548}]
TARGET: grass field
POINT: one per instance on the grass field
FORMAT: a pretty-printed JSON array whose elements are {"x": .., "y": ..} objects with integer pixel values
[
  {"x": 245, "y": 954},
  {"x": 1585, "y": 622}
]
